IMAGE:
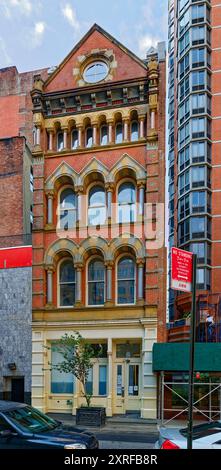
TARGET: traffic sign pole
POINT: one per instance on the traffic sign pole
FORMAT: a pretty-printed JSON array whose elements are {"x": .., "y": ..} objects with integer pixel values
[{"x": 191, "y": 358}]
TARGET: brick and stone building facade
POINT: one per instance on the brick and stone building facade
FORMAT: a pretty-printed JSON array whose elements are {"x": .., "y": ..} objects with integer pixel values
[
  {"x": 16, "y": 191},
  {"x": 99, "y": 261}
]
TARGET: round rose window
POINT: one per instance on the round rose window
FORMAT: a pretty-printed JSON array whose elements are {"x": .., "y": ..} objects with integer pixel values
[{"x": 95, "y": 72}]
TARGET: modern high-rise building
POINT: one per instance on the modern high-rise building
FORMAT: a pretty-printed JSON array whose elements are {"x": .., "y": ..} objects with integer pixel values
[
  {"x": 194, "y": 95},
  {"x": 194, "y": 141}
]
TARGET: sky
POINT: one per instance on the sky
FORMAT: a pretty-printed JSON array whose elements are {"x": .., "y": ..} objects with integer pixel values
[{"x": 40, "y": 33}]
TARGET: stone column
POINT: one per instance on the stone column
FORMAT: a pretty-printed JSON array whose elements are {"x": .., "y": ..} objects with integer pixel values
[
  {"x": 152, "y": 119},
  {"x": 141, "y": 122},
  {"x": 65, "y": 134},
  {"x": 78, "y": 268},
  {"x": 79, "y": 191},
  {"x": 50, "y": 196},
  {"x": 79, "y": 128},
  {"x": 141, "y": 189},
  {"x": 110, "y": 131},
  {"x": 50, "y": 146},
  {"x": 125, "y": 125},
  {"x": 110, "y": 375},
  {"x": 38, "y": 136},
  {"x": 49, "y": 286},
  {"x": 94, "y": 133},
  {"x": 109, "y": 188},
  {"x": 140, "y": 264},
  {"x": 109, "y": 267}
]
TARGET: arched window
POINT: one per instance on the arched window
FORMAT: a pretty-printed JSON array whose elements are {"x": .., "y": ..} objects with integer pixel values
[
  {"x": 60, "y": 141},
  {"x": 104, "y": 135},
  {"x": 89, "y": 137},
  {"x": 119, "y": 133},
  {"x": 67, "y": 209},
  {"x": 96, "y": 282},
  {"x": 126, "y": 285},
  {"x": 67, "y": 284},
  {"x": 96, "y": 206},
  {"x": 74, "y": 139},
  {"x": 134, "y": 131},
  {"x": 126, "y": 202}
]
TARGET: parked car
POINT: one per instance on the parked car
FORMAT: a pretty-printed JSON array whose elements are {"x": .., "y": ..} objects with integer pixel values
[
  {"x": 205, "y": 436},
  {"x": 24, "y": 427}
]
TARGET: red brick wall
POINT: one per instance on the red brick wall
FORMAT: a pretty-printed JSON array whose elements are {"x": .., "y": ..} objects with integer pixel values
[
  {"x": 15, "y": 102},
  {"x": 11, "y": 184}
]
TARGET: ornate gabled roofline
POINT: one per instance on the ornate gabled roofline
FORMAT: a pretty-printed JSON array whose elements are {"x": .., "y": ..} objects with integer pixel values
[{"x": 98, "y": 28}]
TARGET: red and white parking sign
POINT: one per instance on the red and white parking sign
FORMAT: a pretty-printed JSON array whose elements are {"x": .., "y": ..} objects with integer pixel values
[{"x": 182, "y": 268}]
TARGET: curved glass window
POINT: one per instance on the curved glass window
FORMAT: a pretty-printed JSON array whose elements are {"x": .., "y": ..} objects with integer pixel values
[
  {"x": 89, "y": 137},
  {"x": 96, "y": 282},
  {"x": 95, "y": 72},
  {"x": 104, "y": 135},
  {"x": 67, "y": 284},
  {"x": 126, "y": 281},
  {"x": 74, "y": 139},
  {"x": 119, "y": 133},
  {"x": 134, "y": 131},
  {"x": 96, "y": 206},
  {"x": 67, "y": 209},
  {"x": 126, "y": 202},
  {"x": 60, "y": 141}
]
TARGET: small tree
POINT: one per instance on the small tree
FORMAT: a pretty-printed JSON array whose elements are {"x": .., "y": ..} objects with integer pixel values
[{"x": 77, "y": 359}]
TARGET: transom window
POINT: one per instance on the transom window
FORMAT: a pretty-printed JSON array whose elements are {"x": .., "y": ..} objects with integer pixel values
[
  {"x": 95, "y": 72},
  {"x": 67, "y": 283},
  {"x": 67, "y": 209},
  {"x": 96, "y": 282},
  {"x": 126, "y": 202},
  {"x": 96, "y": 206},
  {"x": 126, "y": 281}
]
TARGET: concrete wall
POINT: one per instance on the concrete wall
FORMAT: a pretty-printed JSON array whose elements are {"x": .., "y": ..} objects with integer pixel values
[{"x": 15, "y": 330}]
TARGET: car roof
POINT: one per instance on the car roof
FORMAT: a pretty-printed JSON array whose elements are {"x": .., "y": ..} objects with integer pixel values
[{"x": 10, "y": 405}]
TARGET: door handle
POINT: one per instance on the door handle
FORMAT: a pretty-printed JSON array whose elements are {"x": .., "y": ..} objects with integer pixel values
[{"x": 122, "y": 392}]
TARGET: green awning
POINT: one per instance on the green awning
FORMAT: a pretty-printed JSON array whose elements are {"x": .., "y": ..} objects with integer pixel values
[{"x": 175, "y": 357}]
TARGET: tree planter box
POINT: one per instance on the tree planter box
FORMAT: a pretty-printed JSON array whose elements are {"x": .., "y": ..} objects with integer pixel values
[{"x": 91, "y": 416}]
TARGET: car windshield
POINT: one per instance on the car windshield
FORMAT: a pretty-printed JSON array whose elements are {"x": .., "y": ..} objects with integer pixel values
[
  {"x": 29, "y": 419},
  {"x": 203, "y": 430}
]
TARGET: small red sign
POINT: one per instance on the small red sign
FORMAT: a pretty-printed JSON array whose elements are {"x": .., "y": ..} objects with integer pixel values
[
  {"x": 16, "y": 257},
  {"x": 182, "y": 268}
]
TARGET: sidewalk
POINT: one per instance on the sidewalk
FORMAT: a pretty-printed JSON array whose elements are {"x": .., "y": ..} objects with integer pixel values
[{"x": 119, "y": 432}]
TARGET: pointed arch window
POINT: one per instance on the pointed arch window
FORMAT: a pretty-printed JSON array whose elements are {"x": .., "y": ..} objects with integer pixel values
[
  {"x": 68, "y": 209},
  {"x": 126, "y": 281},
  {"x": 96, "y": 206},
  {"x": 96, "y": 282},
  {"x": 126, "y": 202},
  {"x": 67, "y": 284}
]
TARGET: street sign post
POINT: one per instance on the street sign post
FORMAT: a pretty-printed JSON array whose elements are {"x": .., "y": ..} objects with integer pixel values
[
  {"x": 184, "y": 279},
  {"x": 192, "y": 353}
]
